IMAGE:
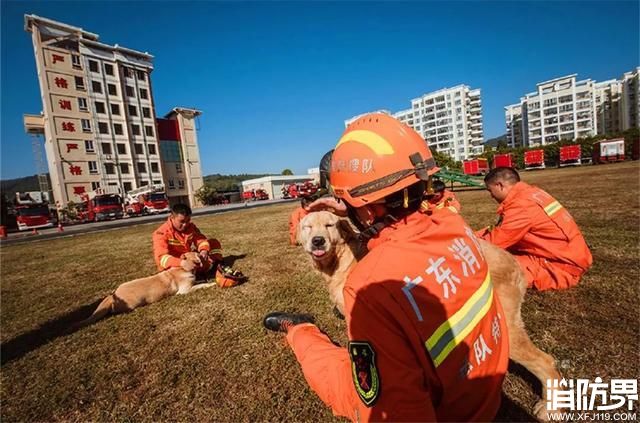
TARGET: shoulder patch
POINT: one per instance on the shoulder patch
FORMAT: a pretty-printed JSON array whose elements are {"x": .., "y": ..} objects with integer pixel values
[{"x": 364, "y": 371}]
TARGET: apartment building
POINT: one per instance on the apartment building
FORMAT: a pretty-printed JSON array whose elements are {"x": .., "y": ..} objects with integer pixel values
[
  {"x": 565, "y": 109},
  {"x": 450, "y": 120}
]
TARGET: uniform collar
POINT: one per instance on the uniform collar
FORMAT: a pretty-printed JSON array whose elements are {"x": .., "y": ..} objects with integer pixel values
[{"x": 515, "y": 192}]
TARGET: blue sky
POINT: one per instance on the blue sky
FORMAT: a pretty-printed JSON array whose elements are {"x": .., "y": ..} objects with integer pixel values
[{"x": 275, "y": 80}]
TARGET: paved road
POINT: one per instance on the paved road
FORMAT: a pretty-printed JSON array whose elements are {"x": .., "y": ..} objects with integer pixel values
[{"x": 49, "y": 233}]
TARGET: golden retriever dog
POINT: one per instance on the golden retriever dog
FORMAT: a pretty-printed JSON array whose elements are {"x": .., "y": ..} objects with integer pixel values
[
  {"x": 140, "y": 292},
  {"x": 334, "y": 248}
]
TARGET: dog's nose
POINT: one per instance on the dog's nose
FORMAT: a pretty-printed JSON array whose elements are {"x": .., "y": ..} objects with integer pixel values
[{"x": 318, "y": 241}]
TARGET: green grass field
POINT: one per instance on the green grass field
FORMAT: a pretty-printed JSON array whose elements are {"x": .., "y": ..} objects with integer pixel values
[{"x": 206, "y": 357}]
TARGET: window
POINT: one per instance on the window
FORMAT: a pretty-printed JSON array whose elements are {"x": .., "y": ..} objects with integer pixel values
[
  {"x": 93, "y": 66},
  {"x": 94, "y": 185},
  {"x": 180, "y": 183},
  {"x": 148, "y": 130},
  {"x": 79, "y": 83},
  {"x": 154, "y": 167},
  {"x": 93, "y": 168},
  {"x": 122, "y": 149},
  {"x": 108, "y": 69},
  {"x": 100, "y": 107},
  {"x": 137, "y": 148},
  {"x": 112, "y": 89},
  {"x": 144, "y": 93},
  {"x": 127, "y": 186},
  {"x": 86, "y": 125},
  {"x": 106, "y": 148},
  {"x": 171, "y": 151},
  {"x": 115, "y": 109},
  {"x": 141, "y": 75},
  {"x": 157, "y": 182},
  {"x": 75, "y": 61},
  {"x": 152, "y": 149},
  {"x": 103, "y": 127},
  {"x": 129, "y": 91},
  {"x": 89, "y": 147},
  {"x": 96, "y": 87},
  {"x": 172, "y": 184},
  {"x": 109, "y": 169},
  {"x": 178, "y": 167},
  {"x": 146, "y": 112},
  {"x": 135, "y": 129},
  {"x": 82, "y": 104},
  {"x": 117, "y": 128},
  {"x": 127, "y": 72},
  {"x": 124, "y": 168},
  {"x": 133, "y": 111},
  {"x": 142, "y": 168},
  {"x": 144, "y": 183}
]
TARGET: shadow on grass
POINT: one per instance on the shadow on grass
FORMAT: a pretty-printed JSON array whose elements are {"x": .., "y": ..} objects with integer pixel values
[
  {"x": 510, "y": 411},
  {"x": 527, "y": 376},
  {"x": 231, "y": 259},
  {"x": 23, "y": 344}
]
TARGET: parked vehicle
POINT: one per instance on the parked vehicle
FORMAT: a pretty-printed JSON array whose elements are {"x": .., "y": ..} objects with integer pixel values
[
  {"x": 570, "y": 155},
  {"x": 32, "y": 210},
  {"x": 475, "y": 167},
  {"x": 607, "y": 151},
  {"x": 503, "y": 160},
  {"x": 149, "y": 199},
  {"x": 100, "y": 205},
  {"x": 534, "y": 159}
]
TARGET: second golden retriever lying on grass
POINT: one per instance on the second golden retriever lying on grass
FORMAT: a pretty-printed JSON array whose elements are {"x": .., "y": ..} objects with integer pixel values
[
  {"x": 140, "y": 292},
  {"x": 335, "y": 249}
]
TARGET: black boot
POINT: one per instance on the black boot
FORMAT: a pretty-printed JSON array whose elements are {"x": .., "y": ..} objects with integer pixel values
[{"x": 281, "y": 322}]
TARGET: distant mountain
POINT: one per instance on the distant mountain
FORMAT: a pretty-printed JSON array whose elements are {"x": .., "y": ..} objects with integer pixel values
[
  {"x": 493, "y": 142},
  {"x": 9, "y": 187}
]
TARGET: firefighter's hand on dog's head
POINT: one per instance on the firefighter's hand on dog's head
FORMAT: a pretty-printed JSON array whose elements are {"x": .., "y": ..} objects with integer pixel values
[{"x": 331, "y": 204}]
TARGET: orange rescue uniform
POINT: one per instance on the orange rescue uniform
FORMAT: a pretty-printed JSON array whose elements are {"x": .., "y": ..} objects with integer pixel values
[
  {"x": 448, "y": 200},
  {"x": 543, "y": 237},
  {"x": 428, "y": 340},
  {"x": 294, "y": 219},
  {"x": 169, "y": 245}
]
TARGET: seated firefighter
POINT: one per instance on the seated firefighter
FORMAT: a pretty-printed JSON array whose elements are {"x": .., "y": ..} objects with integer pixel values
[
  {"x": 178, "y": 235},
  {"x": 294, "y": 219},
  {"x": 537, "y": 230},
  {"x": 426, "y": 341},
  {"x": 440, "y": 198}
]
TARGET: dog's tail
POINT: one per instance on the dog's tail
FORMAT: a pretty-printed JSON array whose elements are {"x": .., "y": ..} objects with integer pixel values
[{"x": 104, "y": 308}]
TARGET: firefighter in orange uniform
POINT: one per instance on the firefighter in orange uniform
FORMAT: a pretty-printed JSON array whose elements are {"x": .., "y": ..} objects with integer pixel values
[
  {"x": 427, "y": 335},
  {"x": 177, "y": 236},
  {"x": 294, "y": 219},
  {"x": 537, "y": 230},
  {"x": 440, "y": 198}
]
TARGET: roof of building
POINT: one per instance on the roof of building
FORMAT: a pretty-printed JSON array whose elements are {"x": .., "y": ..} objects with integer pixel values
[{"x": 183, "y": 110}]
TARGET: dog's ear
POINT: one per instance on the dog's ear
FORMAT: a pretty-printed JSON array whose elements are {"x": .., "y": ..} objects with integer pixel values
[
  {"x": 299, "y": 239},
  {"x": 347, "y": 231}
]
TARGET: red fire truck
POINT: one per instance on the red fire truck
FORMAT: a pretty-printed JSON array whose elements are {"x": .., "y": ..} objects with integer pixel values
[
  {"x": 503, "y": 160},
  {"x": 570, "y": 155},
  {"x": 101, "y": 204},
  {"x": 148, "y": 199},
  {"x": 255, "y": 194},
  {"x": 534, "y": 159},
  {"x": 475, "y": 167},
  {"x": 32, "y": 210}
]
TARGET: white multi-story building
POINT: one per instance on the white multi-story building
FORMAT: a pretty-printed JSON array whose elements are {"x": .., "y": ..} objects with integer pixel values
[
  {"x": 450, "y": 120},
  {"x": 566, "y": 109}
]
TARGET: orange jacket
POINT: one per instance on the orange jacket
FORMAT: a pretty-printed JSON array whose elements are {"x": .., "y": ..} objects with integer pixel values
[
  {"x": 532, "y": 222},
  {"x": 448, "y": 200},
  {"x": 428, "y": 339},
  {"x": 169, "y": 244},
  {"x": 295, "y": 218}
]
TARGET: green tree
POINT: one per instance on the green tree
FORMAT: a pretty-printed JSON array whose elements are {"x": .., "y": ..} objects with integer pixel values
[{"x": 287, "y": 172}]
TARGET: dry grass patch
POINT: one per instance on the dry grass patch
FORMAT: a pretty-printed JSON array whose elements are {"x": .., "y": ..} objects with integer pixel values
[{"x": 205, "y": 356}]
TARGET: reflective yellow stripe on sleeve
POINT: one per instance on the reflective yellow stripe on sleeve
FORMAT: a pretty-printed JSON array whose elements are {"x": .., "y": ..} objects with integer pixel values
[
  {"x": 203, "y": 244},
  {"x": 552, "y": 208},
  {"x": 164, "y": 259},
  {"x": 452, "y": 332},
  {"x": 216, "y": 251}
]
